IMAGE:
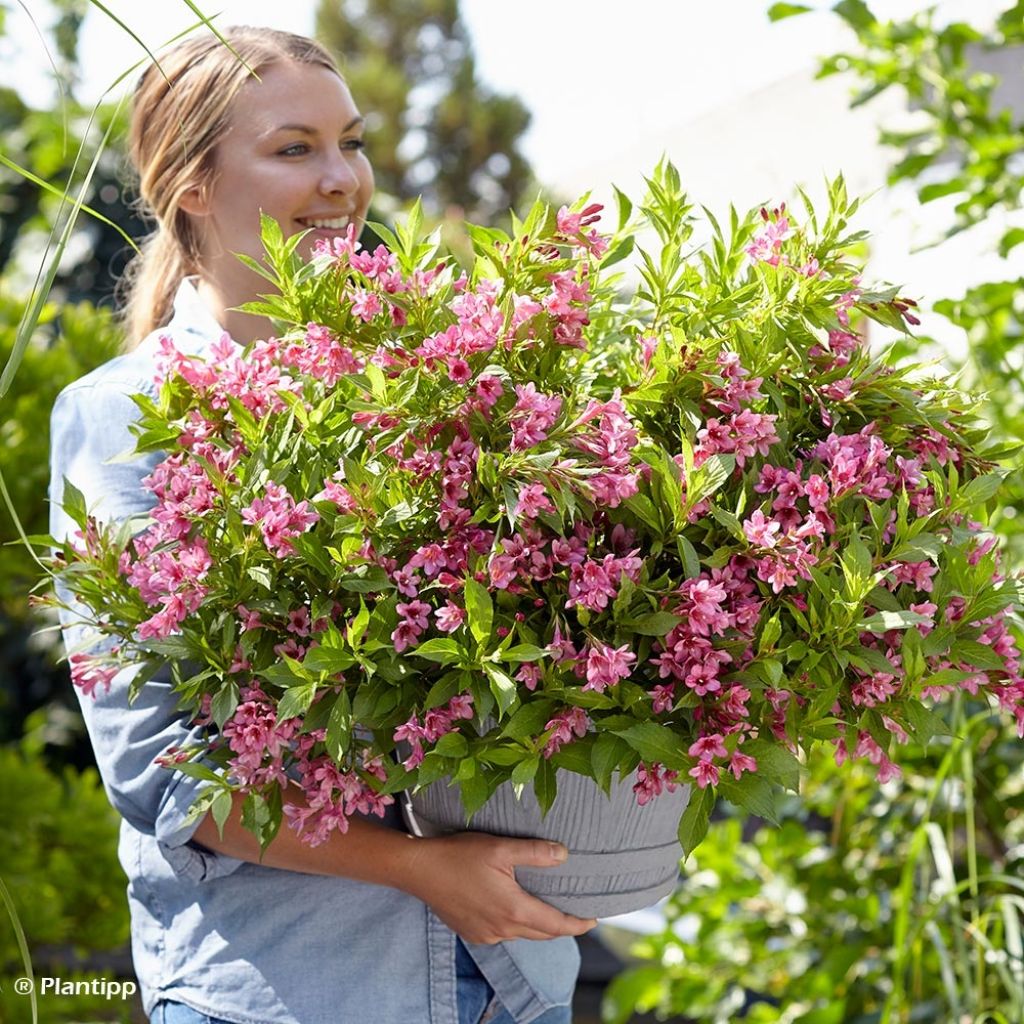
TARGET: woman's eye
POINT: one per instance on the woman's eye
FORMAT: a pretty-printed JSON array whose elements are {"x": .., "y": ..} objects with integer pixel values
[
  {"x": 354, "y": 144},
  {"x": 296, "y": 149}
]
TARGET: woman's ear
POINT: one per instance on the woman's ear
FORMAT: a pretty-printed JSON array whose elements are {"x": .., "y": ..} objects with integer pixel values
[{"x": 196, "y": 201}]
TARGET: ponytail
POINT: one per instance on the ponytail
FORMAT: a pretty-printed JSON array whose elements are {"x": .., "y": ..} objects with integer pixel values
[{"x": 149, "y": 285}]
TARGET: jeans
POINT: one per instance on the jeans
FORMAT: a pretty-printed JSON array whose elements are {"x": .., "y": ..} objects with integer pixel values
[{"x": 474, "y": 998}]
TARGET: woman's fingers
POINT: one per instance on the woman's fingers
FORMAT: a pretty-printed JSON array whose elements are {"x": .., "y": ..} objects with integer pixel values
[
  {"x": 536, "y": 853},
  {"x": 469, "y": 880}
]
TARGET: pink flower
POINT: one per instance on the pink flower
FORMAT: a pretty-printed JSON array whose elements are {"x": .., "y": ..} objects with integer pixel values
[
  {"x": 529, "y": 675},
  {"x": 459, "y": 371},
  {"x": 607, "y": 665},
  {"x": 573, "y": 722},
  {"x": 761, "y": 532},
  {"x": 489, "y": 390},
  {"x": 365, "y": 305},
  {"x": 279, "y": 518},
  {"x": 708, "y": 747},
  {"x": 740, "y": 763},
  {"x": 651, "y": 780},
  {"x": 533, "y": 416},
  {"x": 450, "y": 617},
  {"x": 88, "y": 672},
  {"x": 706, "y": 773},
  {"x": 533, "y": 500}
]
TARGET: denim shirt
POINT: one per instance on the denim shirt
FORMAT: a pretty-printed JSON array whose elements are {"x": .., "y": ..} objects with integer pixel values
[{"x": 247, "y": 943}]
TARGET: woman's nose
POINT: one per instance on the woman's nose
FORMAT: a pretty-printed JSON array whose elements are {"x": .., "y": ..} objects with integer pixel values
[{"x": 338, "y": 175}]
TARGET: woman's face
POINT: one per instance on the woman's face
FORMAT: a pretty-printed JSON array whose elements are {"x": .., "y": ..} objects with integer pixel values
[{"x": 294, "y": 150}]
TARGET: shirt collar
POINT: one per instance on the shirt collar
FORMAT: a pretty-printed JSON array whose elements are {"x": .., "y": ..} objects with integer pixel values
[{"x": 193, "y": 317}]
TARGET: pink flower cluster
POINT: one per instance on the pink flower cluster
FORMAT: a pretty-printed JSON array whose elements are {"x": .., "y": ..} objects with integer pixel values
[
  {"x": 330, "y": 794},
  {"x": 280, "y": 518},
  {"x": 258, "y": 740},
  {"x": 567, "y": 725},
  {"x": 652, "y": 780},
  {"x": 437, "y": 722}
]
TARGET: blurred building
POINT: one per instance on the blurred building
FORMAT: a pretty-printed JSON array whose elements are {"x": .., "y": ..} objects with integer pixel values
[{"x": 752, "y": 150}]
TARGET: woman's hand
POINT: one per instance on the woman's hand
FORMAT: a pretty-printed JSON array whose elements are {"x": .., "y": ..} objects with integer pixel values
[{"x": 468, "y": 881}]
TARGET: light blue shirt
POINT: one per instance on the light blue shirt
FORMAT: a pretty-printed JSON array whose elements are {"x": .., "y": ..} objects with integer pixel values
[{"x": 250, "y": 944}]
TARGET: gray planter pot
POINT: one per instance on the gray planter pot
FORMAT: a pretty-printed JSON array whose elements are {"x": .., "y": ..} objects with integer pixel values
[{"x": 621, "y": 856}]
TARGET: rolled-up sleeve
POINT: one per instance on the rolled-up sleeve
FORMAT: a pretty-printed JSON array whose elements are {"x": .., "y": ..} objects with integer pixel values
[{"x": 90, "y": 426}]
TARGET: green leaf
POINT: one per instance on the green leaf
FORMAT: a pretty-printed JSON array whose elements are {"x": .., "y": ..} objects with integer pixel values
[
  {"x": 981, "y": 489},
  {"x": 655, "y": 624},
  {"x": 529, "y": 720},
  {"x": 924, "y": 722},
  {"x": 710, "y": 478},
  {"x": 328, "y": 659},
  {"x": 977, "y": 655},
  {"x": 73, "y": 503},
  {"x": 262, "y": 816},
  {"x": 525, "y": 771},
  {"x": 575, "y": 757},
  {"x": 780, "y": 10},
  {"x": 479, "y": 610},
  {"x": 688, "y": 556},
  {"x": 656, "y": 742},
  {"x": 452, "y": 744},
  {"x": 440, "y": 649},
  {"x": 753, "y": 794},
  {"x": 608, "y": 753},
  {"x": 523, "y": 652},
  {"x": 770, "y": 634},
  {"x": 882, "y": 622},
  {"x": 855, "y": 13},
  {"x": 339, "y": 727},
  {"x": 475, "y": 793},
  {"x": 357, "y": 628},
  {"x": 1010, "y": 240},
  {"x": 296, "y": 701},
  {"x": 545, "y": 786},
  {"x": 693, "y": 826},
  {"x": 503, "y": 686},
  {"x": 643, "y": 508},
  {"x": 223, "y": 705},
  {"x": 221, "y": 809},
  {"x": 776, "y": 762},
  {"x": 168, "y": 646}
]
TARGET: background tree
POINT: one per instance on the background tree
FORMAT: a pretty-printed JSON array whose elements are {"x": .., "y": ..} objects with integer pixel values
[{"x": 433, "y": 128}]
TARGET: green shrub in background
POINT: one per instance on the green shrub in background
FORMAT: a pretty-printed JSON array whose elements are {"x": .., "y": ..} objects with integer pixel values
[
  {"x": 58, "y": 859},
  {"x": 67, "y": 344},
  {"x": 869, "y": 904}
]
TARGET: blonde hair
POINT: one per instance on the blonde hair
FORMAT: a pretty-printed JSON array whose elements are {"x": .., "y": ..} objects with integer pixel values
[{"x": 179, "y": 114}]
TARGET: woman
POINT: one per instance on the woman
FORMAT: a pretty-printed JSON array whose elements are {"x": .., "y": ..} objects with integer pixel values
[{"x": 375, "y": 925}]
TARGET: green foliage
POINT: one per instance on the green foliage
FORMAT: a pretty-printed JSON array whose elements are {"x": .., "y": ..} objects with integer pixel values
[
  {"x": 59, "y": 863},
  {"x": 433, "y": 128},
  {"x": 869, "y": 904},
  {"x": 966, "y": 146},
  {"x": 67, "y": 345},
  {"x": 962, "y": 135}
]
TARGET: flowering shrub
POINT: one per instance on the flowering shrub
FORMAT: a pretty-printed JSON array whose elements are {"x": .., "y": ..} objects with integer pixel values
[{"x": 491, "y": 524}]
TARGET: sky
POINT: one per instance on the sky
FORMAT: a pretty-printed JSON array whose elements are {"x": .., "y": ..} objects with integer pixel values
[
  {"x": 593, "y": 78},
  {"x": 597, "y": 75}
]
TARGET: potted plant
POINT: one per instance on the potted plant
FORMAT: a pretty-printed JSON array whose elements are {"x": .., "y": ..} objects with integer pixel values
[{"x": 529, "y": 529}]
